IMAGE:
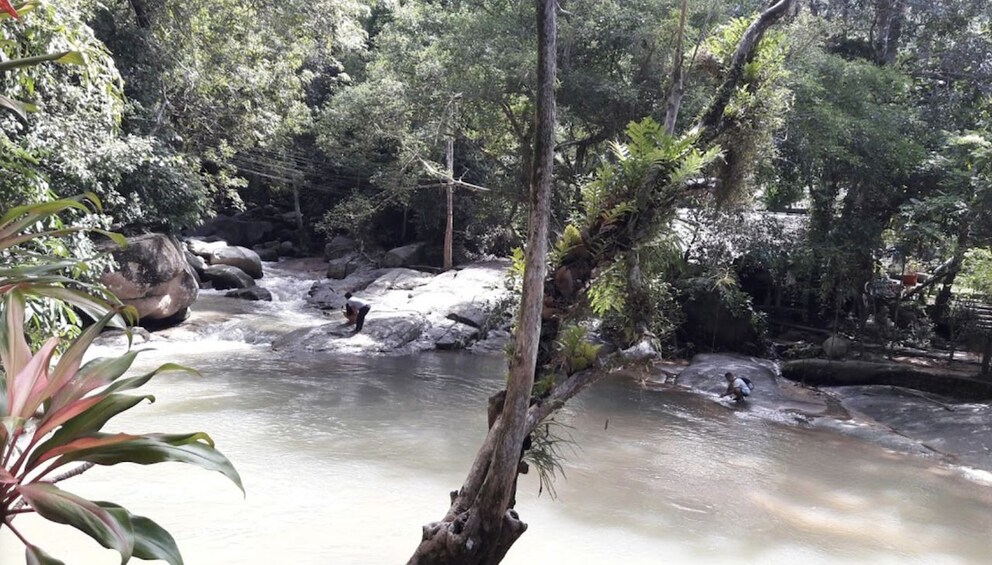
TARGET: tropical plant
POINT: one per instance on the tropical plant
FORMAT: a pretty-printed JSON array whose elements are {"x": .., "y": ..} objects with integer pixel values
[{"x": 52, "y": 410}]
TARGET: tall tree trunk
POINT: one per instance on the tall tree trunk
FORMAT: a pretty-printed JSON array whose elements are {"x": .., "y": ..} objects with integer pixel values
[
  {"x": 480, "y": 527},
  {"x": 675, "y": 92},
  {"x": 889, "y": 16},
  {"x": 449, "y": 190},
  {"x": 140, "y": 13}
]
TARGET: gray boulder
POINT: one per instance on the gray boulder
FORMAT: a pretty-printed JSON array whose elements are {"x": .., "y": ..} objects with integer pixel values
[
  {"x": 245, "y": 259},
  {"x": 338, "y": 247},
  {"x": 195, "y": 262},
  {"x": 454, "y": 336},
  {"x": 267, "y": 253},
  {"x": 225, "y": 276},
  {"x": 289, "y": 249},
  {"x": 383, "y": 332},
  {"x": 400, "y": 279},
  {"x": 251, "y": 293},
  {"x": 472, "y": 314},
  {"x": 342, "y": 267},
  {"x": 324, "y": 296},
  {"x": 836, "y": 347},
  {"x": 404, "y": 256},
  {"x": 235, "y": 231},
  {"x": 203, "y": 248},
  {"x": 154, "y": 277}
]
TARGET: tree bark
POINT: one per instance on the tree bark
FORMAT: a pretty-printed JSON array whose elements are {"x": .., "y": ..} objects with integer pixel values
[
  {"x": 449, "y": 197},
  {"x": 712, "y": 121},
  {"x": 480, "y": 527},
  {"x": 889, "y": 16},
  {"x": 140, "y": 13},
  {"x": 674, "y": 100}
]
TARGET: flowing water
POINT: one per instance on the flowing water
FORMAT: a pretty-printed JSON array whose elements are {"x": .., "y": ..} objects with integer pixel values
[{"x": 345, "y": 457}]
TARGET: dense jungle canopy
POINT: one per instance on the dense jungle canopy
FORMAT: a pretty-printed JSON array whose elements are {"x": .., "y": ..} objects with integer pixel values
[{"x": 868, "y": 122}]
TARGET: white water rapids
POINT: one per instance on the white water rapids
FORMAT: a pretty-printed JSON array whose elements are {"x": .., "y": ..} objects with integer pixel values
[{"x": 344, "y": 458}]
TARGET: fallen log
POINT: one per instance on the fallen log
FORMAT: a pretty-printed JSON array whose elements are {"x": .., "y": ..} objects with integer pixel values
[{"x": 826, "y": 372}]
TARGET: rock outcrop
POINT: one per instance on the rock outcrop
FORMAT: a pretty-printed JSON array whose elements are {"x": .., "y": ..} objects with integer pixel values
[
  {"x": 154, "y": 277},
  {"x": 223, "y": 277},
  {"x": 240, "y": 257}
]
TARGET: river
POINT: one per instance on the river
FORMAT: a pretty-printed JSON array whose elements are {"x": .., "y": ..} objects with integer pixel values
[{"x": 345, "y": 457}]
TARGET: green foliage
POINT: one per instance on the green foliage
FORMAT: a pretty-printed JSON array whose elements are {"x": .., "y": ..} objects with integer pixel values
[
  {"x": 52, "y": 411},
  {"x": 757, "y": 109},
  {"x": 607, "y": 292},
  {"x": 353, "y": 215},
  {"x": 576, "y": 353},
  {"x": 37, "y": 248},
  {"x": 548, "y": 441},
  {"x": 976, "y": 273}
]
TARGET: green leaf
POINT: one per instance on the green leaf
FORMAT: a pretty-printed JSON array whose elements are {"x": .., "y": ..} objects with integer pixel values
[
  {"x": 91, "y": 419},
  {"x": 94, "y": 374},
  {"x": 14, "y": 350},
  {"x": 135, "y": 382},
  {"x": 194, "y": 448},
  {"x": 57, "y": 505},
  {"x": 21, "y": 109},
  {"x": 32, "y": 213},
  {"x": 151, "y": 541},
  {"x": 71, "y": 58},
  {"x": 34, "y": 555}
]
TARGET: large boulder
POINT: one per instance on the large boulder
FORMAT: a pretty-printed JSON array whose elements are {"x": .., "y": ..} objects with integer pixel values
[
  {"x": 400, "y": 279},
  {"x": 224, "y": 277},
  {"x": 342, "y": 267},
  {"x": 473, "y": 314},
  {"x": 453, "y": 336},
  {"x": 383, "y": 332},
  {"x": 836, "y": 347},
  {"x": 251, "y": 293},
  {"x": 338, "y": 247},
  {"x": 154, "y": 277},
  {"x": 404, "y": 256},
  {"x": 326, "y": 297},
  {"x": 236, "y": 231},
  {"x": 203, "y": 248},
  {"x": 245, "y": 259}
]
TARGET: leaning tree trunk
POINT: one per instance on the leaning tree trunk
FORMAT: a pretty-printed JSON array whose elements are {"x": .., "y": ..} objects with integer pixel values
[{"x": 481, "y": 526}]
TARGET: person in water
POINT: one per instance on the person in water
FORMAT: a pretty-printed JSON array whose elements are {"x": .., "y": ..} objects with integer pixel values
[
  {"x": 356, "y": 309},
  {"x": 738, "y": 387}
]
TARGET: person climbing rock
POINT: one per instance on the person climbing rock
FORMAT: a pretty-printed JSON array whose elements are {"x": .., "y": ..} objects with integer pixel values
[
  {"x": 737, "y": 387},
  {"x": 357, "y": 309}
]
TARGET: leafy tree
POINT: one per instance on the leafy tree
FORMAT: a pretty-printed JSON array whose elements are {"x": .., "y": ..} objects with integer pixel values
[{"x": 479, "y": 527}]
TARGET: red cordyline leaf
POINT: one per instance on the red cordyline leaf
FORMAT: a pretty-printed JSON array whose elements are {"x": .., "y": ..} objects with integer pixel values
[
  {"x": 31, "y": 378},
  {"x": 6, "y": 7},
  {"x": 82, "y": 443}
]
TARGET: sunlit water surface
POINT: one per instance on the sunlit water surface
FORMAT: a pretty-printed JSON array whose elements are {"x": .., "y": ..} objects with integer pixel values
[{"x": 344, "y": 458}]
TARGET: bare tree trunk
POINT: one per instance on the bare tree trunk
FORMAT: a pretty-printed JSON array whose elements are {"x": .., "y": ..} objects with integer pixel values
[
  {"x": 449, "y": 190},
  {"x": 301, "y": 232},
  {"x": 676, "y": 90},
  {"x": 480, "y": 527},
  {"x": 888, "y": 29},
  {"x": 140, "y": 13}
]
